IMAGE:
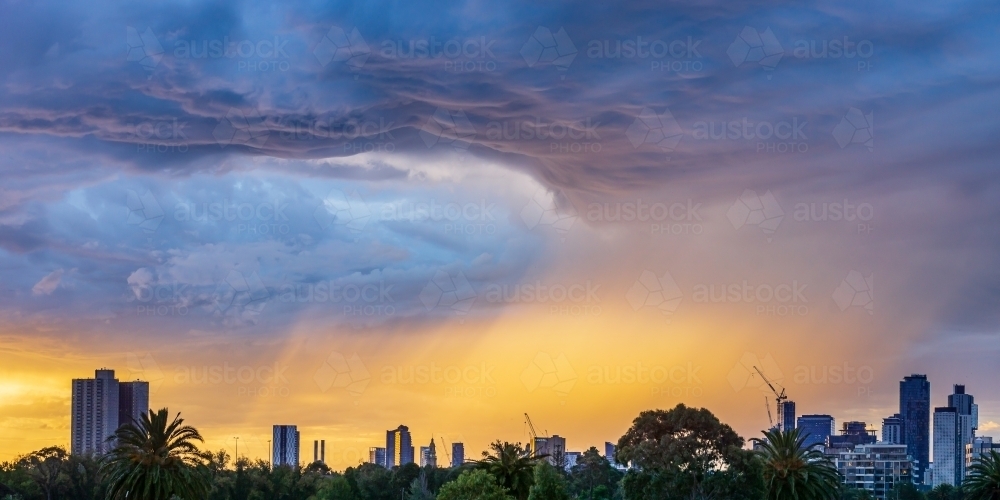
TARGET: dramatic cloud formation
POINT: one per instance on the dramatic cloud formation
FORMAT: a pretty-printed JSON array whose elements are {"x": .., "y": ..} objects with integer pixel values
[{"x": 252, "y": 184}]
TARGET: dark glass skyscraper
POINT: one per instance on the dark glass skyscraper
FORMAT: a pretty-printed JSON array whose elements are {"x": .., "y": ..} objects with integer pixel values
[
  {"x": 786, "y": 416},
  {"x": 816, "y": 428},
  {"x": 398, "y": 447},
  {"x": 285, "y": 446},
  {"x": 915, "y": 408}
]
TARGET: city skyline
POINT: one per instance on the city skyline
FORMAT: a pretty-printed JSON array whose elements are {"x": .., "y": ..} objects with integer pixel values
[
  {"x": 286, "y": 440},
  {"x": 351, "y": 216}
]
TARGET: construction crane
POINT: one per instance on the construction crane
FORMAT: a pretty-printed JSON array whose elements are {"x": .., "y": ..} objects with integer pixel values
[
  {"x": 767, "y": 406},
  {"x": 445, "y": 445},
  {"x": 779, "y": 398},
  {"x": 531, "y": 428}
]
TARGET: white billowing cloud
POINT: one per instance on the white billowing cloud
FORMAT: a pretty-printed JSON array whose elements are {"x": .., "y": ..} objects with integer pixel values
[
  {"x": 48, "y": 284},
  {"x": 139, "y": 280}
]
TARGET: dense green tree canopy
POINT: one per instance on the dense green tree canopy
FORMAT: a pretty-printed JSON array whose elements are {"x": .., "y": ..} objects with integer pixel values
[
  {"x": 473, "y": 485},
  {"x": 687, "y": 453},
  {"x": 549, "y": 483},
  {"x": 594, "y": 477}
]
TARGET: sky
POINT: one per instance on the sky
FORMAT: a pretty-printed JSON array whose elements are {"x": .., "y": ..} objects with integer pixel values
[{"x": 351, "y": 216}]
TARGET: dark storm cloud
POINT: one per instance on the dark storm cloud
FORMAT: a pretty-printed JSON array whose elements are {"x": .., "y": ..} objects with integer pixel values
[{"x": 179, "y": 120}]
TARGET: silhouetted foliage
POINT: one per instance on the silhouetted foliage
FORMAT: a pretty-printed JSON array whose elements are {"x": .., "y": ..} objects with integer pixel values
[
  {"x": 512, "y": 465},
  {"x": 549, "y": 483},
  {"x": 474, "y": 485},
  {"x": 687, "y": 453},
  {"x": 983, "y": 482},
  {"x": 795, "y": 472},
  {"x": 156, "y": 460},
  {"x": 594, "y": 477}
]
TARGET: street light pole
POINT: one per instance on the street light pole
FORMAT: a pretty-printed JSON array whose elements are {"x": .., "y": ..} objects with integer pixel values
[{"x": 237, "y": 438}]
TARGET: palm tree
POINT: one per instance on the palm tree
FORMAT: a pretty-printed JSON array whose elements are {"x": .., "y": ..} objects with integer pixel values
[
  {"x": 983, "y": 482},
  {"x": 512, "y": 465},
  {"x": 793, "y": 471},
  {"x": 154, "y": 460}
]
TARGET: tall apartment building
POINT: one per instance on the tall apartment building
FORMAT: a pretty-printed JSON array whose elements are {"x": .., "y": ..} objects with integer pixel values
[
  {"x": 99, "y": 405},
  {"x": 457, "y": 454},
  {"x": 915, "y": 408},
  {"x": 285, "y": 446},
  {"x": 133, "y": 401},
  {"x": 816, "y": 428},
  {"x": 877, "y": 468},
  {"x": 398, "y": 447}
]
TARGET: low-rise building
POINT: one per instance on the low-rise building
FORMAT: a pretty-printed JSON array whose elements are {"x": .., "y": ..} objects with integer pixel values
[
  {"x": 877, "y": 467},
  {"x": 982, "y": 445}
]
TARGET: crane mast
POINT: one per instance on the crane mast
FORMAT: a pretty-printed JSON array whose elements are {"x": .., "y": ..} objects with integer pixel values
[
  {"x": 531, "y": 428},
  {"x": 779, "y": 398},
  {"x": 767, "y": 406}
]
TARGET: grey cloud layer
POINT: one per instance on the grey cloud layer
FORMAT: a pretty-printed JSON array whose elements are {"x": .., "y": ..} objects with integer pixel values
[{"x": 81, "y": 114}]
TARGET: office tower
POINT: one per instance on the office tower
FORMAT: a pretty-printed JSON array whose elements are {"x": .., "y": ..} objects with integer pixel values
[
  {"x": 428, "y": 458},
  {"x": 431, "y": 458},
  {"x": 553, "y": 446},
  {"x": 946, "y": 439},
  {"x": 968, "y": 416},
  {"x": 457, "y": 454},
  {"x": 786, "y": 415},
  {"x": 876, "y": 468},
  {"x": 319, "y": 451},
  {"x": 816, "y": 428},
  {"x": 133, "y": 401},
  {"x": 376, "y": 456},
  {"x": 915, "y": 407},
  {"x": 428, "y": 455},
  {"x": 609, "y": 451},
  {"x": 285, "y": 446},
  {"x": 852, "y": 434},
  {"x": 398, "y": 447},
  {"x": 892, "y": 429}
]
